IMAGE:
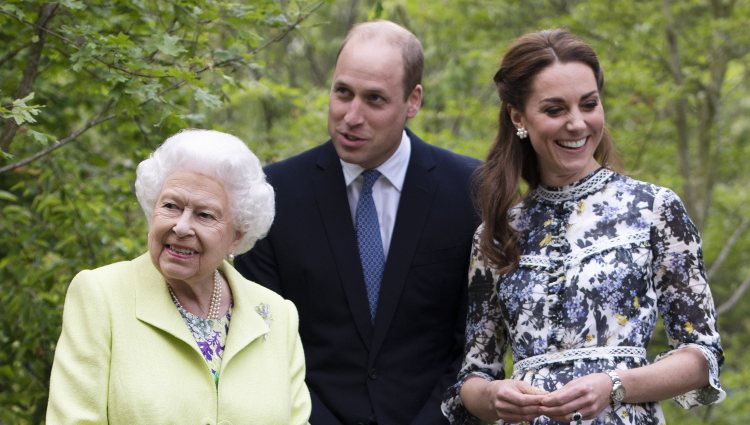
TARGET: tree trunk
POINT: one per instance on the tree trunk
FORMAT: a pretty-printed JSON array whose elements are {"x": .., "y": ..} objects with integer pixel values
[{"x": 30, "y": 71}]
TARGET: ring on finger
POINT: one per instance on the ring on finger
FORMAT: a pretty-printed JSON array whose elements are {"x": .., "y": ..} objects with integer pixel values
[{"x": 576, "y": 416}]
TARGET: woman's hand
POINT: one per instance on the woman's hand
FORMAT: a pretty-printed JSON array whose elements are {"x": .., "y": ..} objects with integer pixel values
[
  {"x": 587, "y": 395},
  {"x": 506, "y": 399}
]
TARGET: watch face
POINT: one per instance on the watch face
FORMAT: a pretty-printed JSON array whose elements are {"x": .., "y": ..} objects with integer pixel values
[
  {"x": 618, "y": 390},
  {"x": 618, "y": 393}
]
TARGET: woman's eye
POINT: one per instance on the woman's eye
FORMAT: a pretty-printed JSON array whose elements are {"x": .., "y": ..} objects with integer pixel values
[
  {"x": 590, "y": 105},
  {"x": 553, "y": 111},
  {"x": 205, "y": 215}
]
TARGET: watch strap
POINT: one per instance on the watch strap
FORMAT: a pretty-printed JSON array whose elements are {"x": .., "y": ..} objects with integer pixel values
[{"x": 618, "y": 390}]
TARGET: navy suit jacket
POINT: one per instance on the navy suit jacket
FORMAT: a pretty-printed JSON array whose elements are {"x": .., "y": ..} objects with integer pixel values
[{"x": 395, "y": 370}]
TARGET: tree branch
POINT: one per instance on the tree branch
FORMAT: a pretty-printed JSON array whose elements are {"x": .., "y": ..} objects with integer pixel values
[
  {"x": 681, "y": 108},
  {"x": 282, "y": 34},
  {"x": 728, "y": 246},
  {"x": 728, "y": 304},
  {"x": 96, "y": 120},
  {"x": 76, "y": 46},
  {"x": 10, "y": 55},
  {"x": 710, "y": 141}
]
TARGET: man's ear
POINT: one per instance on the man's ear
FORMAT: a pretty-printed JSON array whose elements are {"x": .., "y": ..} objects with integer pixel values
[{"x": 415, "y": 101}]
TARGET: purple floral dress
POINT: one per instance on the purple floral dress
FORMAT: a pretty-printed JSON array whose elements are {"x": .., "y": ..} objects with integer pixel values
[
  {"x": 210, "y": 335},
  {"x": 601, "y": 259}
]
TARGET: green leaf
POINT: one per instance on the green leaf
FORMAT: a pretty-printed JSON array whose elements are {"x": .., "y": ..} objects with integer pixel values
[
  {"x": 41, "y": 138},
  {"x": 23, "y": 113},
  {"x": 7, "y": 196},
  {"x": 170, "y": 45},
  {"x": 13, "y": 10},
  {"x": 376, "y": 12},
  {"x": 209, "y": 100},
  {"x": 73, "y": 4}
]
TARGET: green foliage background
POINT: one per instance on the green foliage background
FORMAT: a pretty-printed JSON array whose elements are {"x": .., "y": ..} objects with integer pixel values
[{"x": 89, "y": 88}]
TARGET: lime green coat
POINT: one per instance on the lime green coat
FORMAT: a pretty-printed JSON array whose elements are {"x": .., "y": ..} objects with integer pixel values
[{"x": 125, "y": 356}]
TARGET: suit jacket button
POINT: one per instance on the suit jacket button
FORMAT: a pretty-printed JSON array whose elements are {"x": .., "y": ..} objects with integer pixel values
[{"x": 373, "y": 374}]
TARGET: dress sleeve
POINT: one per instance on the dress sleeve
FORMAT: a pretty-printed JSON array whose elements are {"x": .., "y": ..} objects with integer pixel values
[
  {"x": 486, "y": 337},
  {"x": 300, "y": 397},
  {"x": 684, "y": 297},
  {"x": 80, "y": 371}
]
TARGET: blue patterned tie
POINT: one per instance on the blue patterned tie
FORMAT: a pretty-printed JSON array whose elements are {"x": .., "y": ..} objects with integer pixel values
[{"x": 368, "y": 240}]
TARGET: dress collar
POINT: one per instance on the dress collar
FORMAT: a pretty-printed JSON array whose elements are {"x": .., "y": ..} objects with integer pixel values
[{"x": 577, "y": 190}]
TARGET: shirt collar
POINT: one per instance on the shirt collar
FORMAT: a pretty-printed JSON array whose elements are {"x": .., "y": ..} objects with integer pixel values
[{"x": 393, "y": 169}]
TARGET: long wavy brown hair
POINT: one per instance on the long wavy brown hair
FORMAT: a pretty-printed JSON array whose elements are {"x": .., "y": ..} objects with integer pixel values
[{"x": 511, "y": 159}]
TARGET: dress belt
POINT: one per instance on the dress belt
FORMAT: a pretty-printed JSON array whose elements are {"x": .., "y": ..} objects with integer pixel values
[{"x": 535, "y": 362}]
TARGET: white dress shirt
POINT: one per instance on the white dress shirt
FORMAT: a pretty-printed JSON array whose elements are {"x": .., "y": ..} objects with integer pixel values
[{"x": 386, "y": 192}]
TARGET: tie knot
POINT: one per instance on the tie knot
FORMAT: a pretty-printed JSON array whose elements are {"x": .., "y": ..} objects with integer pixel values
[{"x": 369, "y": 178}]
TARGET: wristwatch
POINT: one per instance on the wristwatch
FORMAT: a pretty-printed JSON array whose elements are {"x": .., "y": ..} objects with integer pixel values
[{"x": 618, "y": 391}]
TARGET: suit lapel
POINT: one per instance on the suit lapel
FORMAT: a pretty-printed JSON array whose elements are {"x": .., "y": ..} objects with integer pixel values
[
  {"x": 330, "y": 191},
  {"x": 414, "y": 206}
]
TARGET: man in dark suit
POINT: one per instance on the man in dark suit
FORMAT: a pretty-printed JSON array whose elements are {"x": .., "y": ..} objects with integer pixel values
[{"x": 381, "y": 320}]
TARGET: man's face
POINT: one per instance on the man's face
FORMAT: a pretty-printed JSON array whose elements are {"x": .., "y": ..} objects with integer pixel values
[{"x": 366, "y": 110}]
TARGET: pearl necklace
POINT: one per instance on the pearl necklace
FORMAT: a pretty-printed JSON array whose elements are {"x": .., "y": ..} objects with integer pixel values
[{"x": 214, "y": 307}]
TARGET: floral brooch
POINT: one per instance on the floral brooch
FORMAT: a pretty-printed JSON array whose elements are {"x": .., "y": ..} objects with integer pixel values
[{"x": 264, "y": 311}]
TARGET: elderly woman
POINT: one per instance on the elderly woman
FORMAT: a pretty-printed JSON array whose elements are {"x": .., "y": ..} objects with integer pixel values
[{"x": 177, "y": 335}]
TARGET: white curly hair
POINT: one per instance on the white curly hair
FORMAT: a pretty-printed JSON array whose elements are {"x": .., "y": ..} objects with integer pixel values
[{"x": 223, "y": 157}]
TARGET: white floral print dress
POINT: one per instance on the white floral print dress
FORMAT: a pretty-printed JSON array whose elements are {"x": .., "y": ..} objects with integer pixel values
[{"x": 601, "y": 259}]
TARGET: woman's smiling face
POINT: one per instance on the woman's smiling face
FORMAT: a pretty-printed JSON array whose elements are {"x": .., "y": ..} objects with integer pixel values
[
  {"x": 191, "y": 228},
  {"x": 565, "y": 121}
]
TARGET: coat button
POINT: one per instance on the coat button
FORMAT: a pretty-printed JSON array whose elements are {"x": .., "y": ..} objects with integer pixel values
[{"x": 372, "y": 374}]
